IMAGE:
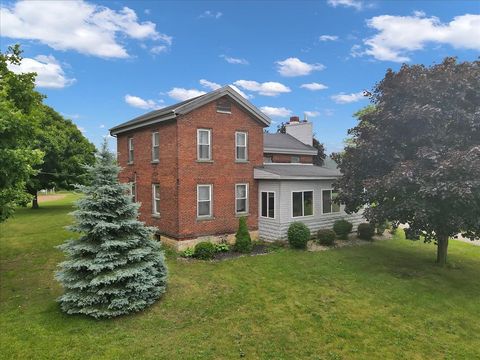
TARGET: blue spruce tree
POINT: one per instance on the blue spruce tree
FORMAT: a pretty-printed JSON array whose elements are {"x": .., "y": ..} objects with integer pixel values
[{"x": 114, "y": 267}]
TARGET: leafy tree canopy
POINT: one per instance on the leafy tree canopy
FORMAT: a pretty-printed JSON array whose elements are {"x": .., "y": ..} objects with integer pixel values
[{"x": 415, "y": 156}]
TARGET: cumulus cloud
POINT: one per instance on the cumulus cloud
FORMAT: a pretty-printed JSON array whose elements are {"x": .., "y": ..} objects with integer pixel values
[
  {"x": 182, "y": 94},
  {"x": 314, "y": 86},
  {"x": 399, "y": 35},
  {"x": 312, "y": 113},
  {"x": 295, "y": 67},
  {"x": 356, "y": 4},
  {"x": 159, "y": 49},
  {"x": 233, "y": 60},
  {"x": 276, "y": 111},
  {"x": 328, "y": 37},
  {"x": 209, "y": 84},
  {"x": 343, "y": 98},
  {"x": 269, "y": 88},
  {"x": 140, "y": 103},
  {"x": 49, "y": 71},
  {"x": 77, "y": 25},
  {"x": 211, "y": 14}
]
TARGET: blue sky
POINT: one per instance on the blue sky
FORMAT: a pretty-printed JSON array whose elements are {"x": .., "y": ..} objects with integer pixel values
[{"x": 102, "y": 63}]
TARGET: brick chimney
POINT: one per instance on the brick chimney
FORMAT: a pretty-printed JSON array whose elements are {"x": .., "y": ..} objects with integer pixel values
[{"x": 302, "y": 131}]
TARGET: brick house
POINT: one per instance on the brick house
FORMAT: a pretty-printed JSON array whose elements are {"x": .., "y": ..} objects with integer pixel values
[{"x": 198, "y": 165}]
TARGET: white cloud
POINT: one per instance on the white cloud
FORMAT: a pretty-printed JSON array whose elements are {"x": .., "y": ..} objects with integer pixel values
[
  {"x": 140, "y": 103},
  {"x": 77, "y": 25},
  {"x": 236, "y": 61},
  {"x": 182, "y": 94},
  {"x": 211, "y": 14},
  {"x": 314, "y": 86},
  {"x": 343, "y": 98},
  {"x": 209, "y": 84},
  {"x": 312, "y": 113},
  {"x": 159, "y": 49},
  {"x": 102, "y": 126},
  {"x": 240, "y": 92},
  {"x": 399, "y": 35},
  {"x": 49, "y": 71},
  {"x": 328, "y": 37},
  {"x": 296, "y": 67},
  {"x": 357, "y": 4},
  {"x": 82, "y": 129},
  {"x": 269, "y": 88},
  {"x": 276, "y": 112}
]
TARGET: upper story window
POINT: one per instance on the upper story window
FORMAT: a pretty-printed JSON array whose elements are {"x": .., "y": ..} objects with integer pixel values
[
  {"x": 130, "y": 150},
  {"x": 155, "y": 146},
  {"x": 241, "y": 143},
  {"x": 204, "y": 200},
  {"x": 328, "y": 204},
  {"x": 224, "y": 105},
  {"x": 241, "y": 198},
  {"x": 155, "y": 199},
  {"x": 268, "y": 204},
  {"x": 295, "y": 159},
  {"x": 204, "y": 148},
  {"x": 302, "y": 203}
]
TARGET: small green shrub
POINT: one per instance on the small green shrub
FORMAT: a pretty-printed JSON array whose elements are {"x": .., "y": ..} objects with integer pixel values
[
  {"x": 342, "y": 228},
  {"x": 243, "y": 242},
  {"x": 382, "y": 227},
  {"x": 298, "y": 235},
  {"x": 222, "y": 247},
  {"x": 204, "y": 250},
  {"x": 187, "y": 253},
  {"x": 326, "y": 237},
  {"x": 366, "y": 231}
]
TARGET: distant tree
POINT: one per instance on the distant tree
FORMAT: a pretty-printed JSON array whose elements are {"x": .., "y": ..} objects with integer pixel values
[
  {"x": 19, "y": 113},
  {"x": 317, "y": 159},
  {"x": 66, "y": 150},
  {"x": 114, "y": 267},
  {"x": 415, "y": 157}
]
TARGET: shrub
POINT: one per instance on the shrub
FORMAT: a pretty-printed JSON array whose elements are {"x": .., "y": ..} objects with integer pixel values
[
  {"x": 382, "y": 227},
  {"x": 366, "y": 231},
  {"x": 411, "y": 235},
  {"x": 298, "y": 235},
  {"x": 222, "y": 247},
  {"x": 243, "y": 242},
  {"x": 204, "y": 250},
  {"x": 326, "y": 237},
  {"x": 342, "y": 228},
  {"x": 187, "y": 253}
]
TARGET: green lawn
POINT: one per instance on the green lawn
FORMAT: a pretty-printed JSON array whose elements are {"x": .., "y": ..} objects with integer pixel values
[{"x": 380, "y": 301}]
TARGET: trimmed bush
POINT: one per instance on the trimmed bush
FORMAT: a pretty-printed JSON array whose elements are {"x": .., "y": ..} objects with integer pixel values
[
  {"x": 243, "y": 242},
  {"x": 342, "y": 228},
  {"x": 205, "y": 250},
  {"x": 326, "y": 237},
  {"x": 298, "y": 235},
  {"x": 366, "y": 231}
]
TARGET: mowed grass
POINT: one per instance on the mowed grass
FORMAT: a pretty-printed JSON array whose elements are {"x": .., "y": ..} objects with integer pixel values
[{"x": 382, "y": 301}]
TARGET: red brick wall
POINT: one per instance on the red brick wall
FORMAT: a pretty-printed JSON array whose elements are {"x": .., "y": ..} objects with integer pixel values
[
  {"x": 147, "y": 173},
  {"x": 284, "y": 158},
  {"x": 223, "y": 172}
]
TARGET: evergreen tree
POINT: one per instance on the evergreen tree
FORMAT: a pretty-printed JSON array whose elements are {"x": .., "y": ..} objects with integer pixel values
[{"x": 115, "y": 267}]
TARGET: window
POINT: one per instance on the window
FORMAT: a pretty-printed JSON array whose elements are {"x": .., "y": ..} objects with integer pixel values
[
  {"x": 224, "y": 105},
  {"x": 155, "y": 146},
  {"x": 204, "y": 150},
  {"x": 302, "y": 203},
  {"x": 241, "y": 146},
  {"x": 204, "y": 200},
  {"x": 155, "y": 199},
  {"x": 295, "y": 159},
  {"x": 133, "y": 191},
  {"x": 268, "y": 204},
  {"x": 267, "y": 159},
  {"x": 130, "y": 150},
  {"x": 328, "y": 204},
  {"x": 241, "y": 198}
]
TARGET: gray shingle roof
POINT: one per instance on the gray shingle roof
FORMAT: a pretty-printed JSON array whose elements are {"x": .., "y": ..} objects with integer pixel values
[
  {"x": 295, "y": 172},
  {"x": 285, "y": 143}
]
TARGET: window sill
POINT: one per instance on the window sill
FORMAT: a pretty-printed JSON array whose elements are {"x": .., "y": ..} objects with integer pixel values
[
  {"x": 241, "y": 214},
  {"x": 156, "y": 216},
  {"x": 205, "y": 161},
  {"x": 154, "y": 162},
  {"x": 224, "y": 112},
  {"x": 205, "y": 218},
  {"x": 130, "y": 163},
  {"x": 242, "y": 161}
]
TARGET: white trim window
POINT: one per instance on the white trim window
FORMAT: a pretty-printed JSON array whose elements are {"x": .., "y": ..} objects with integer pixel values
[
  {"x": 155, "y": 146},
  {"x": 204, "y": 201},
  {"x": 267, "y": 204},
  {"x": 241, "y": 198},
  {"x": 130, "y": 150},
  {"x": 204, "y": 148},
  {"x": 302, "y": 203},
  {"x": 133, "y": 191},
  {"x": 328, "y": 204},
  {"x": 156, "y": 199},
  {"x": 241, "y": 146}
]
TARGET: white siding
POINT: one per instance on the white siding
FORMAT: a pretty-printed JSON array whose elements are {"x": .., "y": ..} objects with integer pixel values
[{"x": 276, "y": 229}]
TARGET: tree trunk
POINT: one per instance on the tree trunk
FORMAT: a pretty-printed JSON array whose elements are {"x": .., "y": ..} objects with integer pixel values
[
  {"x": 442, "y": 249},
  {"x": 35, "y": 201}
]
